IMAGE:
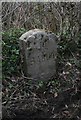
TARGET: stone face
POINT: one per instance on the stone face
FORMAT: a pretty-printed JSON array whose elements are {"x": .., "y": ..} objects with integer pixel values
[{"x": 38, "y": 53}]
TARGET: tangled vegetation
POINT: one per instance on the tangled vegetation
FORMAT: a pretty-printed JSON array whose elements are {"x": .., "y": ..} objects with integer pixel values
[{"x": 61, "y": 96}]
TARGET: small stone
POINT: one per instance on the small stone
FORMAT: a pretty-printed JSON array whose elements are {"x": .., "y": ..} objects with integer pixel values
[{"x": 41, "y": 47}]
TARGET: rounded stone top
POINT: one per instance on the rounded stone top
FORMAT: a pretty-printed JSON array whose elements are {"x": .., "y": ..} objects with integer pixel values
[{"x": 32, "y": 33}]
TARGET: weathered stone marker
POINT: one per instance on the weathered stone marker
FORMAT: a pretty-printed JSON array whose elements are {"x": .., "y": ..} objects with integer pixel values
[{"x": 38, "y": 52}]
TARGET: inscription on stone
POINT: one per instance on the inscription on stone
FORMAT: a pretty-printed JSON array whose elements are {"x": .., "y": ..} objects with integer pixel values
[{"x": 38, "y": 53}]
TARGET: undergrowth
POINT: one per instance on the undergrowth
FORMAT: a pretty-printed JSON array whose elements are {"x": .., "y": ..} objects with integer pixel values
[{"x": 10, "y": 51}]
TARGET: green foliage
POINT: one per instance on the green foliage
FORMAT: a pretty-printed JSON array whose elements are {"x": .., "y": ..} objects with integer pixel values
[{"x": 10, "y": 51}]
